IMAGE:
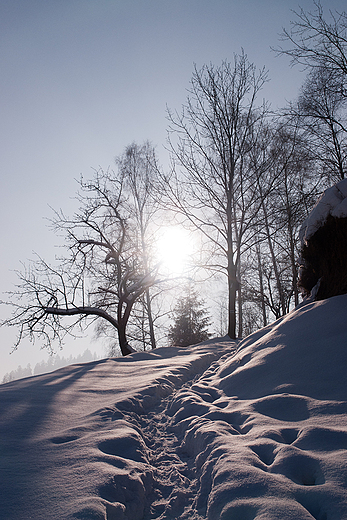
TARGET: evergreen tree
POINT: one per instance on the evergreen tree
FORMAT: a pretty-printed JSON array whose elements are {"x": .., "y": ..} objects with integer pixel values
[{"x": 191, "y": 321}]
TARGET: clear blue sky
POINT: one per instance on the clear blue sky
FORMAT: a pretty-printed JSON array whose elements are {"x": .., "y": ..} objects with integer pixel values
[{"x": 81, "y": 79}]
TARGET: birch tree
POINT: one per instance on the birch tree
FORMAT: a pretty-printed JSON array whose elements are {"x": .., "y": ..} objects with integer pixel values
[
  {"x": 293, "y": 186},
  {"x": 211, "y": 184},
  {"x": 138, "y": 167}
]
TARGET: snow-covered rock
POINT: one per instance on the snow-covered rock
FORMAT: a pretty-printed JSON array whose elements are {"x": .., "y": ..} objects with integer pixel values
[
  {"x": 255, "y": 430},
  {"x": 333, "y": 202}
]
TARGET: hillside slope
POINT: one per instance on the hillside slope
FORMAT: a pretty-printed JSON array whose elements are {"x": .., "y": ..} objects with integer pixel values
[{"x": 255, "y": 430}]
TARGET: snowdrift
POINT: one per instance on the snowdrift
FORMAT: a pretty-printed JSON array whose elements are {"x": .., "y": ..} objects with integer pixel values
[{"x": 248, "y": 431}]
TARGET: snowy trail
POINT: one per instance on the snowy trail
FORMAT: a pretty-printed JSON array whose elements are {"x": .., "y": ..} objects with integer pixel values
[
  {"x": 173, "y": 469},
  {"x": 168, "y": 482},
  {"x": 176, "y": 479}
]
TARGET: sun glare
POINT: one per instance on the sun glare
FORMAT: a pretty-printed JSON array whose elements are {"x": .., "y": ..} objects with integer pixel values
[{"x": 173, "y": 249}]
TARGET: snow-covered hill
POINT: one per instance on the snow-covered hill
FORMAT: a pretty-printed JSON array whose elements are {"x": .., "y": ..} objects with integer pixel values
[{"x": 248, "y": 431}]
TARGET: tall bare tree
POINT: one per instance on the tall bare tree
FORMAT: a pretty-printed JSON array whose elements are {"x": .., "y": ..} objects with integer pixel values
[
  {"x": 289, "y": 189},
  {"x": 138, "y": 167},
  {"x": 319, "y": 43},
  {"x": 211, "y": 184},
  {"x": 102, "y": 275},
  {"x": 321, "y": 112}
]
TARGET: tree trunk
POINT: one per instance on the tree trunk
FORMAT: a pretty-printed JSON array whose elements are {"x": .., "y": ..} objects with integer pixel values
[
  {"x": 125, "y": 348},
  {"x": 261, "y": 286},
  {"x": 231, "y": 269},
  {"x": 232, "y": 288},
  {"x": 240, "y": 313},
  {"x": 239, "y": 299},
  {"x": 274, "y": 262},
  {"x": 293, "y": 265},
  {"x": 150, "y": 320}
]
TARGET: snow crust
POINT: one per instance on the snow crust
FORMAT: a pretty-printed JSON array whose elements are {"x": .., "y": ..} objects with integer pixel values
[
  {"x": 333, "y": 202},
  {"x": 255, "y": 430}
]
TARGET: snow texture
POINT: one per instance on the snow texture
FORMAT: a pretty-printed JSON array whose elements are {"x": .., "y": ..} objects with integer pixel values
[
  {"x": 333, "y": 202},
  {"x": 248, "y": 431}
]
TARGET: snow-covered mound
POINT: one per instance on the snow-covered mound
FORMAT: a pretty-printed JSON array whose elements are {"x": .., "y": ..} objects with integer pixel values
[
  {"x": 249, "y": 431},
  {"x": 333, "y": 202}
]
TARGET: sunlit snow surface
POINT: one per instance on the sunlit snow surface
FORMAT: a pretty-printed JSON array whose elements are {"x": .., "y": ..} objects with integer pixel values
[{"x": 187, "y": 433}]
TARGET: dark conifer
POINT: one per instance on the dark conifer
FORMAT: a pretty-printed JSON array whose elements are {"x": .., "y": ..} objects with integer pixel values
[{"x": 191, "y": 321}]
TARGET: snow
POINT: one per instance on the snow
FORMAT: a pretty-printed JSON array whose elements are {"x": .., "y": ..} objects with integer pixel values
[
  {"x": 333, "y": 202},
  {"x": 255, "y": 430}
]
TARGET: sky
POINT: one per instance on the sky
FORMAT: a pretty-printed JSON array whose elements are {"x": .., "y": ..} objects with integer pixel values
[{"x": 82, "y": 79}]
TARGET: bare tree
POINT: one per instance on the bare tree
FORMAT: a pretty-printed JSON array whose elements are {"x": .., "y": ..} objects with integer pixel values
[
  {"x": 138, "y": 166},
  {"x": 102, "y": 275},
  {"x": 320, "y": 45},
  {"x": 321, "y": 112},
  {"x": 316, "y": 42},
  {"x": 211, "y": 184},
  {"x": 288, "y": 191}
]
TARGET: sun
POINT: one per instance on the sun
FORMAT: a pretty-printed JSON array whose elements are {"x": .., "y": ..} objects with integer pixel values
[{"x": 174, "y": 248}]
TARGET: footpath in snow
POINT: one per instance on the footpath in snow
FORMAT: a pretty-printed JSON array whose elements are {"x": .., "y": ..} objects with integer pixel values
[{"x": 255, "y": 430}]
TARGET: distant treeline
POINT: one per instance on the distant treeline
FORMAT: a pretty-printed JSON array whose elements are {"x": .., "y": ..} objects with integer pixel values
[{"x": 53, "y": 363}]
